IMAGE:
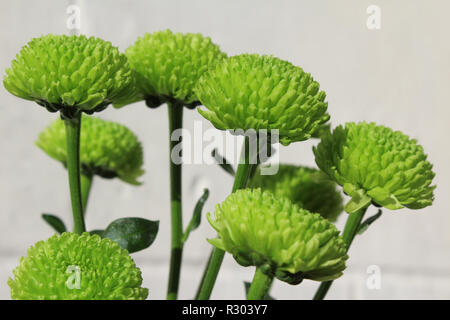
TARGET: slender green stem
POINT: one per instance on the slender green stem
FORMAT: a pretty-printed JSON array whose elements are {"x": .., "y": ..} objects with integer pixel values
[
  {"x": 244, "y": 168},
  {"x": 352, "y": 225},
  {"x": 202, "y": 280},
  {"x": 73, "y": 127},
  {"x": 213, "y": 266},
  {"x": 350, "y": 230},
  {"x": 210, "y": 274},
  {"x": 261, "y": 284},
  {"x": 86, "y": 184},
  {"x": 322, "y": 290},
  {"x": 176, "y": 253}
]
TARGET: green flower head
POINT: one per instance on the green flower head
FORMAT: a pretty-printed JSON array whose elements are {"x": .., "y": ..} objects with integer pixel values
[
  {"x": 376, "y": 164},
  {"x": 77, "y": 267},
  {"x": 262, "y": 92},
  {"x": 308, "y": 188},
  {"x": 168, "y": 65},
  {"x": 277, "y": 236},
  {"x": 69, "y": 73},
  {"x": 107, "y": 149}
]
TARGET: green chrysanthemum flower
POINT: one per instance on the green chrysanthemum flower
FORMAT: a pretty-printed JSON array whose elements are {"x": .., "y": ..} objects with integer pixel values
[
  {"x": 168, "y": 65},
  {"x": 278, "y": 237},
  {"x": 107, "y": 149},
  {"x": 70, "y": 74},
  {"x": 262, "y": 92},
  {"x": 308, "y": 188},
  {"x": 77, "y": 267},
  {"x": 376, "y": 164}
]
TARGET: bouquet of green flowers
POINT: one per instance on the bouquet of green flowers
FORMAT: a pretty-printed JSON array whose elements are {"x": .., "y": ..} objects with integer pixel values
[{"x": 280, "y": 223}]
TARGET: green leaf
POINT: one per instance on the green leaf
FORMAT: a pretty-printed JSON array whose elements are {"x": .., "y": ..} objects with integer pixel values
[
  {"x": 247, "y": 288},
  {"x": 56, "y": 223},
  {"x": 197, "y": 215},
  {"x": 366, "y": 223},
  {"x": 133, "y": 234},
  {"x": 222, "y": 162}
]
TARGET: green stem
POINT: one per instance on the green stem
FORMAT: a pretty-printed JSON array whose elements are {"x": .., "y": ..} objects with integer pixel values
[
  {"x": 213, "y": 266},
  {"x": 322, "y": 290},
  {"x": 202, "y": 280},
  {"x": 260, "y": 286},
  {"x": 86, "y": 184},
  {"x": 352, "y": 225},
  {"x": 350, "y": 230},
  {"x": 176, "y": 253},
  {"x": 73, "y": 127}
]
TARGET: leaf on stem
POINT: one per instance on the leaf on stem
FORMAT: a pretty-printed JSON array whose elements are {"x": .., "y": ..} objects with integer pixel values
[
  {"x": 222, "y": 162},
  {"x": 197, "y": 215},
  {"x": 366, "y": 223},
  {"x": 55, "y": 222},
  {"x": 133, "y": 234}
]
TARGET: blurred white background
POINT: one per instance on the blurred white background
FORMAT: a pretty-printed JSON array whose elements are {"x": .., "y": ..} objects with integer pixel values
[{"x": 396, "y": 76}]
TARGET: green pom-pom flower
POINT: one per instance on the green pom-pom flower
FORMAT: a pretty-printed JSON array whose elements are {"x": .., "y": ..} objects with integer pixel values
[
  {"x": 107, "y": 149},
  {"x": 168, "y": 65},
  {"x": 307, "y": 187},
  {"x": 69, "y": 73},
  {"x": 376, "y": 164},
  {"x": 262, "y": 92},
  {"x": 77, "y": 267},
  {"x": 278, "y": 237}
]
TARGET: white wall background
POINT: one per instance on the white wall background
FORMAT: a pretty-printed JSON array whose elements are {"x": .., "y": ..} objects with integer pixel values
[{"x": 397, "y": 76}]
